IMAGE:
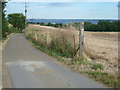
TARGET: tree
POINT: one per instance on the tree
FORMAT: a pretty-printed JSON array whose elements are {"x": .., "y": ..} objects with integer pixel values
[
  {"x": 88, "y": 26},
  {"x": 115, "y": 26},
  {"x": 5, "y": 29},
  {"x": 17, "y": 20},
  {"x": 104, "y": 25}
]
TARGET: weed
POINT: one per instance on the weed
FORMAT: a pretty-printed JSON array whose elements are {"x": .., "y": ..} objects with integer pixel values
[
  {"x": 71, "y": 63},
  {"x": 81, "y": 60},
  {"x": 61, "y": 59},
  {"x": 97, "y": 67}
]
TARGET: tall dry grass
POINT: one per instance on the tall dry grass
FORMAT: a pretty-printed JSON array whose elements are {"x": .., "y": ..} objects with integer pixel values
[{"x": 62, "y": 41}]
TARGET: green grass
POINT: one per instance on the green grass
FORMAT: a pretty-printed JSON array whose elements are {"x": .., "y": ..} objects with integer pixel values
[
  {"x": 14, "y": 30},
  {"x": 103, "y": 77},
  {"x": 61, "y": 59},
  {"x": 45, "y": 49},
  {"x": 81, "y": 60},
  {"x": 97, "y": 67}
]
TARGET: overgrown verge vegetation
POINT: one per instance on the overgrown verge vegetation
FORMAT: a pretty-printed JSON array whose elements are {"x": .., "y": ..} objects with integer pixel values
[
  {"x": 58, "y": 45},
  {"x": 10, "y": 31},
  {"x": 61, "y": 49}
]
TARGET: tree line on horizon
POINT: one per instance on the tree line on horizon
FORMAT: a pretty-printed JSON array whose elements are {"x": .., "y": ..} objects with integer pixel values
[{"x": 102, "y": 25}]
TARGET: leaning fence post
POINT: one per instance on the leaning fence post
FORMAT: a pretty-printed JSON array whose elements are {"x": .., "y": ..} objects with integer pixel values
[{"x": 81, "y": 39}]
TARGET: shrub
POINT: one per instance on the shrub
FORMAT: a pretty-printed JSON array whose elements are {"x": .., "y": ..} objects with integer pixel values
[
  {"x": 97, "y": 66},
  {"x": 13, "y": 30},
  {"x": 61, "y": 59}
]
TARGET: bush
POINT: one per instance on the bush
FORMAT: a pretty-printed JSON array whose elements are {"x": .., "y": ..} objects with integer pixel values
[
  {"x": 97, "y": 66},
  {"x": 13, "y": 30},
  {"x": 17, "y": 20}
]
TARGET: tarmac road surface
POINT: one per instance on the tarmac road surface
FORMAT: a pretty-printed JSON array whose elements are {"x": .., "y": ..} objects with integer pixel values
[{"x": 31, "y": 68}]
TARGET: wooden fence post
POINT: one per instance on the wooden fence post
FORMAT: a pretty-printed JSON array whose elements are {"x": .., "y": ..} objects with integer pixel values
[{"x": 81, "y": 39}]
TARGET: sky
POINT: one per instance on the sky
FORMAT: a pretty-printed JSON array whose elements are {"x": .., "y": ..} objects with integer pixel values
[{"x": 65, "y": 9}]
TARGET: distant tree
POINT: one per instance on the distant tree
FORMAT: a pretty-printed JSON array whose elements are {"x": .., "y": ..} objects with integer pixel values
[
  {"x": 61, "y": 25},
  {"x": 57, "y": 25},
  {"x": 104, "y": 25},
  {"x": 17, "y": 20},
  {"x": 38, "y": 23},
  {"x": 115, "y": 26},
  {"x": 49, "y": 24},
  {"x": 88, "y": 26},
  {"x": 42, "y": 24}
]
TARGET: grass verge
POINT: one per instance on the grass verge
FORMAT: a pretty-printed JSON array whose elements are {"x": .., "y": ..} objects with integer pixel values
[
  {"x": 45, "y": 49},
  {"x": 103, "y": 77}
]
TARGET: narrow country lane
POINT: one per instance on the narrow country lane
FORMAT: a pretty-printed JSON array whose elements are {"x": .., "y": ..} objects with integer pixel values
[{"x": 31, "y": 68}]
